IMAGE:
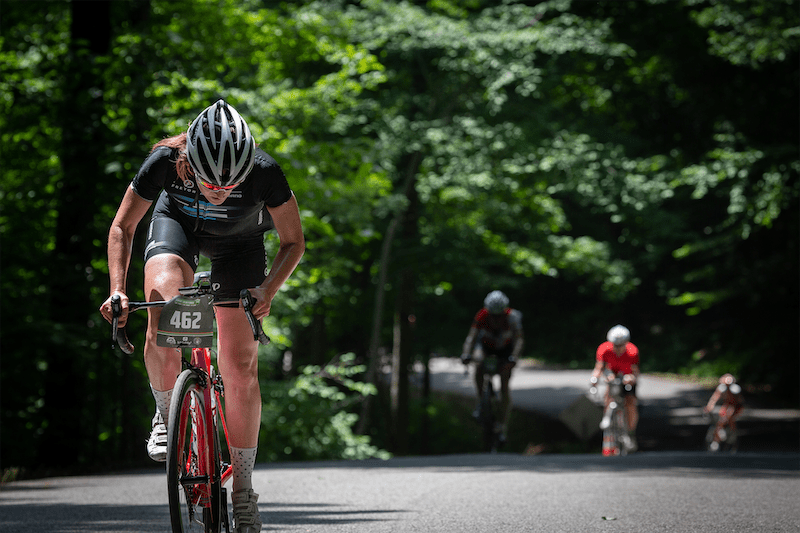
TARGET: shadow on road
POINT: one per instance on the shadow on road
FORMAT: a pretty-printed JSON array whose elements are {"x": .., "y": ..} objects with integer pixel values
[
  {"x": 666, "y": 463},
  {"x": 62, "y": 517}
]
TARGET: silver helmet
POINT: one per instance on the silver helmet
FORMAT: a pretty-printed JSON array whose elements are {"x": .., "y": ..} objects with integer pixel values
[
  {"x": 219, "y": 146},
  {"x": 496, "y": 302},
  {"x": 618, "y": 335}
]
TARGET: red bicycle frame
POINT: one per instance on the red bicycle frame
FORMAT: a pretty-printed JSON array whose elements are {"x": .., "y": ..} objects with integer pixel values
[{"x": 205, "y": 437}]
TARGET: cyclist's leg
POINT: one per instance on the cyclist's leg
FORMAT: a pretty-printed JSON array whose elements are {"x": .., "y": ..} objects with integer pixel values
[
  {"x": 480, "y": 354},
  {"x": 164, "y": 274},
  {"x": 736, "y": 412},
  {"x": 238, "y": 364},
  {"x": 632, "y": 410},
  {"x": 505, "y": 393},
  {"x": 726, "y": 414},
  {"x": 171, "y": 256},
  {"x": 239, "y": 264},
  {"x": 605, "y": 422},
  {"x": 167, "y": 268},
  {"x": 632, "y": 419}
]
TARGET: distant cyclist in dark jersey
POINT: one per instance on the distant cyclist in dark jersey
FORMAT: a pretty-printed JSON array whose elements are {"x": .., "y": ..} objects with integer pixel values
[
  {"x": 496, "y": 331},
  {"x": 215, "y": 194},
  {"x": 620, "y": 357}
]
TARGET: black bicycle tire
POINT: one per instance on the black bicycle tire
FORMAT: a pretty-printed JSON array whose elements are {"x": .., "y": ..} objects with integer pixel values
[
  {"x": 188, "y": 383},
  {"x": 487, "y": 417}
]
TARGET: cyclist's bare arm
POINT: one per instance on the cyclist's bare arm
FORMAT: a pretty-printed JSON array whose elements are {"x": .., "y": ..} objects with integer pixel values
[
  {"x": 286, "y": 219},
  {"x": 519, "y": 344},
  {"x": 469, "y": 343},
  {"x": 598, "y": 370},
  {"x": 713, "y": 400},
  {"x": 635, "y": 373},
  {"x": 120, "y": 242}
]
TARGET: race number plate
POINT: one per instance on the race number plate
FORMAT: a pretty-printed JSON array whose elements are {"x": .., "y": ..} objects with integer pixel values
[{"x": 186, "y": 321}]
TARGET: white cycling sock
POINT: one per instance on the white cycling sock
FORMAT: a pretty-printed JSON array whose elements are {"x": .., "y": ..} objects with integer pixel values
[
  {"x": 243, "y": 461},
  {"x": 163, "y": 399}
]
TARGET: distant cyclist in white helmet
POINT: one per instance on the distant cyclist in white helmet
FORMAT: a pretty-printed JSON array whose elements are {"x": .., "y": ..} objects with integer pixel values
[
  {"x": 496, "y": 332},
  {"x": 619, "y": 356},
  {"x": 732, "y": 406}
]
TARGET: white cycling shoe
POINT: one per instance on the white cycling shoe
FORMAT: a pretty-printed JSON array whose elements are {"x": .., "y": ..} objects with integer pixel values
[
  {"x": 157, "y": 443},
  {"x": 630, "y": 443},
  {"x": 246, "y": 518}
]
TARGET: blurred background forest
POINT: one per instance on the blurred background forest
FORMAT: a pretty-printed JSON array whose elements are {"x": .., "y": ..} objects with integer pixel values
[{"x": 600, "y": 162}]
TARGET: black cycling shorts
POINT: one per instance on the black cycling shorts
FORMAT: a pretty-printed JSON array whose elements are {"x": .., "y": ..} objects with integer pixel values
[
  {"x": 628, "y": 390},
  {"x": 237, "y": 262},
  {"x": 502, "y": 354}
]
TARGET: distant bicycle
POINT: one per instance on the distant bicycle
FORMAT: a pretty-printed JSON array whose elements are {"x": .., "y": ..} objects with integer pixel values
[
  {"x": 728, "y": 440},
  {"x": 614, "y": 424},
  {"x": 196, "y": 469},
  {"x": 489, "y": 406}
]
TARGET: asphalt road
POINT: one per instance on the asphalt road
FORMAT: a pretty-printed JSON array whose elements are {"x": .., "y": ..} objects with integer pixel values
[
  {"x": 642, "y": 493},
  {"x": 654, "y": 491}
]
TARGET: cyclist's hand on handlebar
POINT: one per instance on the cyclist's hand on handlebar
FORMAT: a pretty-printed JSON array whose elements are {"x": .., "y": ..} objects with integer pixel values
[
  {"x": 629, "y": 379},
  {"x": 262, "y": 305},
  {"x": 248, "y": 303},
  {"x": 465, "y": 358},
  {"x": 107, "y": 309}
]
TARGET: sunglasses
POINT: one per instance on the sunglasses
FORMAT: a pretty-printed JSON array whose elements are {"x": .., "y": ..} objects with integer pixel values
[{"x": 212, "y": 187}]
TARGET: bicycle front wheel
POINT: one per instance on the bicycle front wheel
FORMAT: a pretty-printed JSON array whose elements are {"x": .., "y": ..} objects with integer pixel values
[
  {"x": 192, "y": 483},
  {"x": 487, "y": 419}
]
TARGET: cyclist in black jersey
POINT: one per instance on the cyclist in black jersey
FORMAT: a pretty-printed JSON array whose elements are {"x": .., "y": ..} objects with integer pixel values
[{"x": 216, "y": 194}]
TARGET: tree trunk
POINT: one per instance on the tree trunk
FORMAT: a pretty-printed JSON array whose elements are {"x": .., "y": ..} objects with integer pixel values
[
  {"x": 64, "y": 438},
  {"x": 403, "y": 346},
  {"x": 400, "y": 219}
]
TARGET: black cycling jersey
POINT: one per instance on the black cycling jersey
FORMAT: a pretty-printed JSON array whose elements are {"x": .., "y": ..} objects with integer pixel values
[
  {"x": 244, "y": 212},
  {"x": 231, "y": 234}
]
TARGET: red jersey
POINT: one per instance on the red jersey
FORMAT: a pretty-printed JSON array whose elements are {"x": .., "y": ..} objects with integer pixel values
[
  {"x": 497, "y": 334},
  {"x": 618, "y": 364}
]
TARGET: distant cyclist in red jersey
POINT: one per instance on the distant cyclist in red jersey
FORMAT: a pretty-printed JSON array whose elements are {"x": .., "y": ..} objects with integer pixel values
[
  {"x": 732, "y": 406},
  {"x": 620, "y": 357},
  {"x": 496, "y": 332}
]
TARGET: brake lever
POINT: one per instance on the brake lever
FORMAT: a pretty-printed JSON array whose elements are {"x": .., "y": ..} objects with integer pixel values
[
  {"x": 248, "y": 301},
  {"x": 118, "y": 334}
]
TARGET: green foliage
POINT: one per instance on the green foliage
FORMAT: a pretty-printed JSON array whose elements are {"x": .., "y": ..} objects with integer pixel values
[
  {"x": 750, "y": 33},
  {"x": 311, "y": 418},
  {"x": 566, "y": 152}
]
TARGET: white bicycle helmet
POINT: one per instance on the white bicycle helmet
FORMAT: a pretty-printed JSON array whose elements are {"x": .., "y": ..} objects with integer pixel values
[
  {"x": 219, "y": 146},
  {"x": 496, "y": 302},
  {"x": 618, "y": 335}
]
